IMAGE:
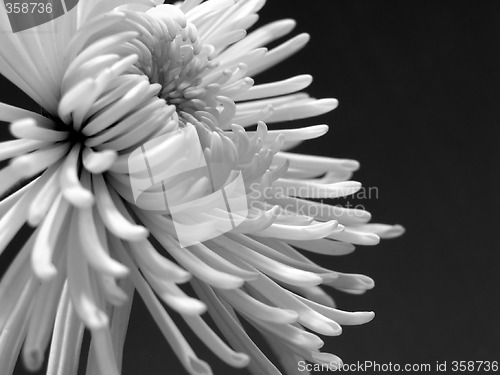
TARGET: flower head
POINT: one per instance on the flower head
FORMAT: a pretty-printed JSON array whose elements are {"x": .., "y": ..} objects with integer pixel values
[{"x": 123, "y": 78}]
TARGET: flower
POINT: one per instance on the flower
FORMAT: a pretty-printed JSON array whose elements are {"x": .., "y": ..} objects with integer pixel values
[{"x": 113, "y": 76}]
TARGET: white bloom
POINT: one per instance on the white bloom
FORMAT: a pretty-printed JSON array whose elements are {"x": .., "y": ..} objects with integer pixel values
[{"x": 111, "y": 76}]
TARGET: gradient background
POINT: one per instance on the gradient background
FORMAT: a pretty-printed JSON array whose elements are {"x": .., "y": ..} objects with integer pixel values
[{"x": 419, "y": 90}]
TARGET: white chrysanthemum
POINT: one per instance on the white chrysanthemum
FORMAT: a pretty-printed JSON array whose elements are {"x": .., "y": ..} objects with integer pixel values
[{"x": 111, "y": 76}]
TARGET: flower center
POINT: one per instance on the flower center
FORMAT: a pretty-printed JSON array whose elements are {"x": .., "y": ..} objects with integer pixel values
[
  {"x": 75, "y": 137},
  {"x": 172, "y": 56}
]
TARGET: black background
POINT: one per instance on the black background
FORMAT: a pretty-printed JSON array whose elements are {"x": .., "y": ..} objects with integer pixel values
[{"x": 419, "y": 85}]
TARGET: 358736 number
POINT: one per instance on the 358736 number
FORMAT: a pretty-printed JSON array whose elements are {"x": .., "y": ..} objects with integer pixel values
[
  {"x": 473, "y": 366},
  {"x": 28, "y": 8}
]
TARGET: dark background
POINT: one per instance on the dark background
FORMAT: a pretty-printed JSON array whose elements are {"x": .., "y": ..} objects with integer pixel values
[{"x": 419, "y": 85}]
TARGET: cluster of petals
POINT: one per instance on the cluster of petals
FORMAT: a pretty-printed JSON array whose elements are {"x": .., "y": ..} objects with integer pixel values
[{"x": 111, "y": 75}]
